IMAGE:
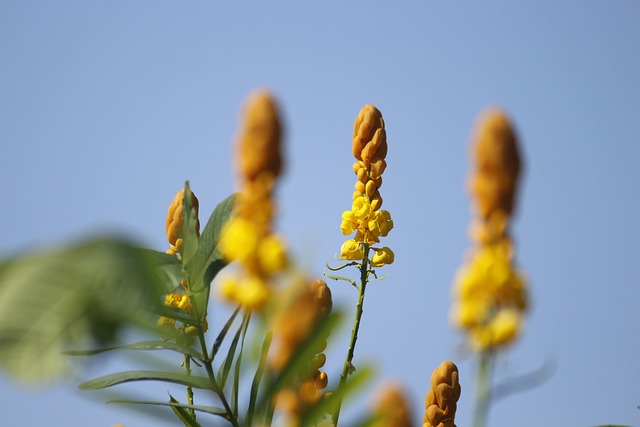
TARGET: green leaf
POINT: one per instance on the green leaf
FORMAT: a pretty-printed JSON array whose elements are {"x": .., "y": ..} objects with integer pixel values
[
  {"x": 208, "y": 409},
  {"x": 127, "y": 376},
  {"x": 207, "y": 261},
  {"x": 183, "y": 415},
  {"x": 189, "y": 221},
  {"x": 223, "y": 373},
  {"x": 236, "y": 376},
  {"x": 223, "y": 333},
  {"x": 143, "y": 345},
  {"x": 63, "y": 297},
  {"x": 255, "y": 384},
  {"x": 201, "y": 260}
]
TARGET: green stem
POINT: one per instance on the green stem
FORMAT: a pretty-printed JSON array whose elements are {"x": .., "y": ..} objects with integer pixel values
[
  {"x": 483, "y": 388},
  {"x": 187, "y": 368},
  {"x": 214, "y": 384},
  {"x": 348, "y": 363}
]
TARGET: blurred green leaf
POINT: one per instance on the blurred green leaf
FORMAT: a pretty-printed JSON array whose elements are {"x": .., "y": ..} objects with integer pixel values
[
  {"x": 257, "y": 378},
  {"x": 236, "y": 374},
  {"x": 167, "y": 268},
  {"x": 143, "y": 345},
  {"x": 127, "y": 376},
  {"x": 54, "y": 299}
]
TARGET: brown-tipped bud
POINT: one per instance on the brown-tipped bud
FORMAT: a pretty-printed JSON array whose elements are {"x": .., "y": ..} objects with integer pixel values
[
  {"x": 442, "y": 398},
  {"x": 173, "y": 222},
  {"x": 362, "y": 175},
  {"x": 259, "y": 141},
  {"x": 392, "y": 408},
  {"x": 371, "y": 189},
  {"x": 376, "y": 201},
  {"x": 369, "y": 142},
  {"x": 377, "y": 168},
  {"x": 321, "y": 296},
  {"x": 494, "y": 150}
]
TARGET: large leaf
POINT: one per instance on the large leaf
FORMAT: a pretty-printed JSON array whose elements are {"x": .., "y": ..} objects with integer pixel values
[
  {"x": 54, "y": 299},
  {"x": 127, "y": 376}
]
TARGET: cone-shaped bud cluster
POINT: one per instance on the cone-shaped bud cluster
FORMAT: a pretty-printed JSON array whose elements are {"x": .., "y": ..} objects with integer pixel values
[
  {"x": 248, "y": 237},
  {"x": 173, "y": 222},
  {"x": 392, "y": 408},
  {"x": 493, "y": 181},
  {"x": 490, "y": 295},
  {"x": 442, "y": 398},
  {"x": 369, "y": 147},
  {"x": 291, "y": 328}
]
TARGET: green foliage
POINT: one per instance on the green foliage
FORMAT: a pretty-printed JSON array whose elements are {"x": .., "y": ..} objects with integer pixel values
[{"x": 59, "y": 298}]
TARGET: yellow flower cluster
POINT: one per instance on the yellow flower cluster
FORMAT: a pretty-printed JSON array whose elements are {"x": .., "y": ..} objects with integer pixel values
[
  {"x": 442, "y": 397},
  {"x": 173, "y": 222},
  {"x": 248, "y": 237},
  {"x": 291, "y": 328},
  {"x": 490, "y": 295},
  {"x": 168, "y": 325},
  {"x": 369, "y": 145}
]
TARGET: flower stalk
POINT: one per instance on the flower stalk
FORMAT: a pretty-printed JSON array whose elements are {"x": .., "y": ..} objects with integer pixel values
[{"x": 369, "y": 147}]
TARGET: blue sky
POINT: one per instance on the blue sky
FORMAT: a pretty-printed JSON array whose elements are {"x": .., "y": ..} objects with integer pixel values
[{"x": 106, "y": 108}]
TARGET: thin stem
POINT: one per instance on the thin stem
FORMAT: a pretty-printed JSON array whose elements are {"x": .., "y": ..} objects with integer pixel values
[
  {"x": 483, "y": 388},
  {"x": 187, "y": 368},
  {"x": 348, "y": 363},
  {"x": 215, "y": 386}
]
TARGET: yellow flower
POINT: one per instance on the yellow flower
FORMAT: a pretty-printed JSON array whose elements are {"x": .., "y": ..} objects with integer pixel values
[
  {"x": 361, "y": 209},
  {"x": 382, "y": 256},
  {"x": 272, "y": 254},
  {"x": 381, "y": 223},
  {"x": 351, "y": 250},
  {"x": 349, "y": 223}
]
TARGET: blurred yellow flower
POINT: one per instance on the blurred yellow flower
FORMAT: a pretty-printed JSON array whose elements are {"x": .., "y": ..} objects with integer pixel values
[
  {"x": 272, "y": 254},
  {"x": 250, "y": 291},
  {"x": 239, "y": 240}
]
